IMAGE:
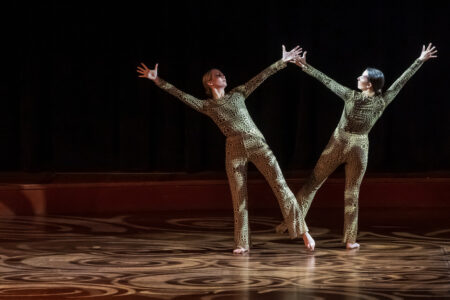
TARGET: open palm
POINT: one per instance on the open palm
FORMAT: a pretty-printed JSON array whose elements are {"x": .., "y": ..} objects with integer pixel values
[
  {"x": 146, "y": 72},
  {"x": 291, "y": 55},
  {"x": 428, "y": 52}
]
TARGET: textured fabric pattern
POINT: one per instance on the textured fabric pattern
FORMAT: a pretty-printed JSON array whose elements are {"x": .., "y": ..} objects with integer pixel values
[
  {"x": 228, "y": 112},
  {"x": 343, "y": 147},
  {"x": 246, "y": 143},
  {"x": 238, "y": 153},
  {"x": 361, "y": 112},
  {"x": 349, "y": 144}
]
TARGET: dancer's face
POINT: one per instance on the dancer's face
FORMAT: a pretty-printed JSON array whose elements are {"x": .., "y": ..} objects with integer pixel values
[
  {"x": 218, "y": 80},
  {"x": 363, "y": 81}
]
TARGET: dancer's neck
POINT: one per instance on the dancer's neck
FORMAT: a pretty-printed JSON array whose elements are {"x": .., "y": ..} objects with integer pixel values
[
  {"x": 369, "y": 93},
  {"x": 217, "y": 93}
]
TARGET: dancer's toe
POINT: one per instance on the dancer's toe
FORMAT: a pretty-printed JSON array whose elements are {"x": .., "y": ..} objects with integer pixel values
[
  {"x": 240, "y": 250},
  {"x": 310, "y": 244},
  {"x": 352, "y": 245}
]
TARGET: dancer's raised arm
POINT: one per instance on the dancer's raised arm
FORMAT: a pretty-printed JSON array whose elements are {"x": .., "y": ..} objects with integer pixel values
[
  {"x": 248, "y": 88},
  {"x": 191, "y": 101},
  {"x": 343, "y": 92},
  {"x": 394, "y": 89}
]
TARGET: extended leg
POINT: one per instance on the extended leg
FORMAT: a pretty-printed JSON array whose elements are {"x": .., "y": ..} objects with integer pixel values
[
  {"x": 267, "y": 164},
  {"x": 328, "y": 161}
]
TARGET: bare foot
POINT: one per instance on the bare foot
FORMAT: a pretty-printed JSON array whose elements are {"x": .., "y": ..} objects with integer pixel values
[
  {"x": 309, "y": 241},
  {"x": 352, "y": 245},
  {"x": 240, "y": 250},
  {"x": 281, "y": 228}
]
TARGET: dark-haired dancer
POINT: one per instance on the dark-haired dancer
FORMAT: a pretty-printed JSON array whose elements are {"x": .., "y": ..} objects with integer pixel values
[
  {"x": 244, "y": 143},
  {"x": 349, "y": 143}
]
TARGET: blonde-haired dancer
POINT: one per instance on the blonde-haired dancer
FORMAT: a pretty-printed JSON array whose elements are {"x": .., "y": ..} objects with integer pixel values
[{"x": 244, "y": 143}]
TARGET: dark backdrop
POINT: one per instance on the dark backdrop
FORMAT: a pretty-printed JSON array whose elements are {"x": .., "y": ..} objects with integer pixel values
[{"x": 71, "y": 99}]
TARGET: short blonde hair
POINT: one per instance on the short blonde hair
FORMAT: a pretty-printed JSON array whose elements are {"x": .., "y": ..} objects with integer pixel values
[{"x": 206, "y": 78}]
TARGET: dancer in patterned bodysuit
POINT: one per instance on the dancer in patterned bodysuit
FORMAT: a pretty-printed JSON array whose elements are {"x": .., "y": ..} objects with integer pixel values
[
  {"x": 349, "y": 143},
  {"x": 244, "y": 143}
]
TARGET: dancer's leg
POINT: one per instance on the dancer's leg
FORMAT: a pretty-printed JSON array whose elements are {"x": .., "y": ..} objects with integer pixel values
[
  {"x": 355, "y": 169},
  {"x": 328, "y": 161},
  {"x": 267, "y": 164},
  {"x": 236, "y": 167}
]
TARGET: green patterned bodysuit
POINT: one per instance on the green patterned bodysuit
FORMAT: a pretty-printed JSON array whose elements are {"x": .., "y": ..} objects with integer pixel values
[
  {"x": 349, "y": 144},
  {"x": 244, "y": 142}
]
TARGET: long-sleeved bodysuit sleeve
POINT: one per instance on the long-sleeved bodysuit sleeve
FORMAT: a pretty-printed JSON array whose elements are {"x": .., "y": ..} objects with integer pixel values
[
  {"x": 189, "y": 100},
  {"x": 395, "y": 88},
  {"x": 248, "y": 88},
  {"x": 340, "y": 90}
]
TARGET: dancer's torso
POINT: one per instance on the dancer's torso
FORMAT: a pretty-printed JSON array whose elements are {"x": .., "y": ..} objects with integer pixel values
[
  {"x": 232, "y": 117},
  {"x": 361, "y": 113}
]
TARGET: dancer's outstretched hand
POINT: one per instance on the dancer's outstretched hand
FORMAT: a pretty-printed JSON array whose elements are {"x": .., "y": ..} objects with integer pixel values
[
  {"x": 291, "y": 55},
  {"x": 301, "y": 60},
  {"x": 147, "y": 73},
  {"x": 428, "y": 53}
]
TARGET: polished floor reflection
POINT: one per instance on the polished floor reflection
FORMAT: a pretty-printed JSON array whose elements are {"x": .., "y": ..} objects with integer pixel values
[{"x": 176, "y": 256}]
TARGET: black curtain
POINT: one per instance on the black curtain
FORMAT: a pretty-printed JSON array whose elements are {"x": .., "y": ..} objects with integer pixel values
[{"x": 72, "y": 101}]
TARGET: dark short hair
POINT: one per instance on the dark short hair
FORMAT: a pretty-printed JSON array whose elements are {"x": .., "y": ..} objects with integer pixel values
[{"x": 376, "y": 78}]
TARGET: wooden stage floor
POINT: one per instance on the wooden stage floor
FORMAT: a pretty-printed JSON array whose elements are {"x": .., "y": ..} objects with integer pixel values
[{"x": 187, "y": 255}]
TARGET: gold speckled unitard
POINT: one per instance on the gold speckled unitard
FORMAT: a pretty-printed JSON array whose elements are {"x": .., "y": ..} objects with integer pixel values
[
  {"x": 246, "y": 143},
  {"x": 349, "y": 144}
]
